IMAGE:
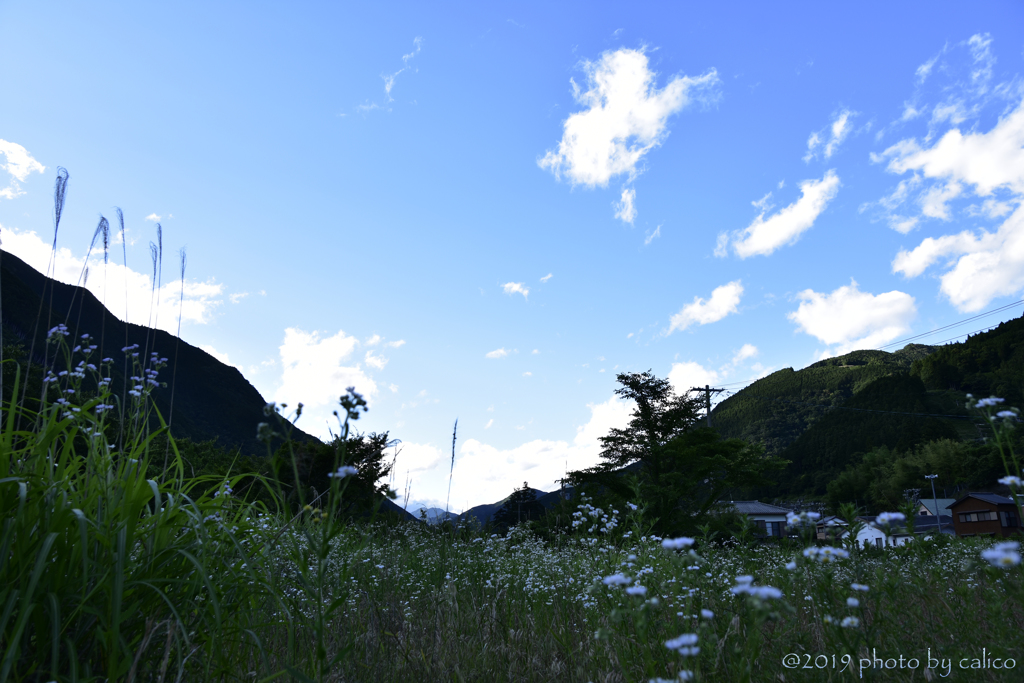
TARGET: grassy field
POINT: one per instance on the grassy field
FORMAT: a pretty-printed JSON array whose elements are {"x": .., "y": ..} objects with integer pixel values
[{"x": 106, "y": 574}]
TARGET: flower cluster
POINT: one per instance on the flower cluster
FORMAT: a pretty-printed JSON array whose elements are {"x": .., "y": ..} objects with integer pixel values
[
  {"x": 890, "y": 518},
  {"x": 1003, "y": 554},
  {"x": 804, "y": 519},
  {"x": 344, "y": 471},
  {"x": 681, "y": 543},
  {"x": 825, "y": 554},
  {"x": 745, "y": 586}
]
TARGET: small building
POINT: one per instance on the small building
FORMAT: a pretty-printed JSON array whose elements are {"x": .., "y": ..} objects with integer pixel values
[
  {"x": 770, "y": 520},
  {"x": 830, "y": 527},
  {"x": 925, "y": 506},
  {"x": 985, "y": 514},
  {"x": 872, "y": 536}
]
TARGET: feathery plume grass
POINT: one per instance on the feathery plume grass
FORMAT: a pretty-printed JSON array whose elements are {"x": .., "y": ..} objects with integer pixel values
[
  {"x": 60, "y": 189},
  {"x": 451, "y": 471}
]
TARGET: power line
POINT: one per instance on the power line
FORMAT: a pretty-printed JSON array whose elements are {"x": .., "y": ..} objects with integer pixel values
[{"x": 946, "y": 327}]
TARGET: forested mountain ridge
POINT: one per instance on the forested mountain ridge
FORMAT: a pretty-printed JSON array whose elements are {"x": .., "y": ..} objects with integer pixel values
[
  {"x": 775, "y": 410},
  {"x": 212, "y": 401},
  {"x": 825, "y": 418}
]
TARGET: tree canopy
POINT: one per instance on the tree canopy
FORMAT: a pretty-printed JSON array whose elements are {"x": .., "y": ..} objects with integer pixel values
[
  {"x": 521, "y": 506},
  {"x": 664, "y": 459}
]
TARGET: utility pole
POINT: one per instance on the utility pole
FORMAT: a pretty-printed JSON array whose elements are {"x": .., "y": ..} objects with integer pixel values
[
  {"x": 935, "y": 501},
  {"x": 707, "y": 391}
]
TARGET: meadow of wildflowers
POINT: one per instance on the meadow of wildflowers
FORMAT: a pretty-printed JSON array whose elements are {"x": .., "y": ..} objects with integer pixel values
[{"x": 106, "y": 574}]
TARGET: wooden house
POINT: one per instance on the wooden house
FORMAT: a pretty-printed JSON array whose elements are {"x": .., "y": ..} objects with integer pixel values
[{"x": 985, "y": 514}]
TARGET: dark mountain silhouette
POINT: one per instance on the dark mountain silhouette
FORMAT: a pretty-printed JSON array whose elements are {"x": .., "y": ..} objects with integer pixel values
[{"x": 211, "y": 400}]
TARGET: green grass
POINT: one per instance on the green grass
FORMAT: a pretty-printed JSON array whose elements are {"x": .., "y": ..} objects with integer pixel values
[{"x": 106, "y": 574}]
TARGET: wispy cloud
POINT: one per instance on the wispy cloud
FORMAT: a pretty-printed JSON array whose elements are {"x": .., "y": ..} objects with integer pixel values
[
  {"x": 153, "y": 217},
  {"x": 625, "y": 208},
  {"x": 238, "y": 296},
  {"x": 827, "y": 140},
  {"x": 390, "y": 79},
  {"x": 547, "y": 277},
  {"x": 651, "y": 236},
  {"x": 496, "y": 353}
]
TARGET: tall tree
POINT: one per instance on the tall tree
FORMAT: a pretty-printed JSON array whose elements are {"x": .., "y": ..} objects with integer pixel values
[
  {"x": 521, "y": 506},
  {"x": 678, "y": 469}
]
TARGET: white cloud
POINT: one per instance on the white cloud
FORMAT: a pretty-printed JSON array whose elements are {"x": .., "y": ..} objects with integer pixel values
[
  {"x": 153, "y": 217},
  {"x": 850, "y": 319},
  {"x": 829, "y": 139},
  {"x": 651, "y": 236},
  {"x": 685, "y": 376},
  {"x": 764, "y": 236},
  {"x": 979, "y": 265},
  {"x": 489, "y": 424},
  {"x": 375, "y": 361},
  {"x": 745, "y": 352},
  {"x": 527, "y": 374},
  {"x": 547, "y": 277},
  {"x": 396, "y": 344},
  {"x": 393, "y": 388},
  {"x": 235, "y": 298},
  {"x": 625, "y": 116},
  {"x": 313, "y": 371},
  {"x": 113, "y": 283},
  {"x": 496, "y": 353},
  {"x": 611, "y": 414},
  {"x": 222, "y": 357},
  {"x": 414, "y": 457},
  {"x": 724, "y": 300},
  {"x": 19, "y": 163},
  {"x": 986, "y": 161},
  {"x": 511, "y": 288},
  {"x": 535, "y": 352},
  {"x": 374, "y": 340},
  {"x": 484, "y": 473},
  {"x": 625, "y": 210}
]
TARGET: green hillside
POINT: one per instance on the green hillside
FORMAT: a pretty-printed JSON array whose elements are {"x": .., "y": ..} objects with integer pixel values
[
  {"x": 825, "y": 418},
  {"x": 775, "y": 410}
]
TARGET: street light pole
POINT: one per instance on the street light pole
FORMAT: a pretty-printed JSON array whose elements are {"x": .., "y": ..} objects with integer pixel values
[{"x": 935, "y": 501}]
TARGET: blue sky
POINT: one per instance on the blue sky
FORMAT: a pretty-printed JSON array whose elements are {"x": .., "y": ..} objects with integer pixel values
[{"x": 485, "y": 213}]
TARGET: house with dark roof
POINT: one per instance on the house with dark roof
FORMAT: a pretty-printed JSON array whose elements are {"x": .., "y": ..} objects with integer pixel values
[
  {"x": 985, "y": 514},
  {"x": 770, "y": 520}
]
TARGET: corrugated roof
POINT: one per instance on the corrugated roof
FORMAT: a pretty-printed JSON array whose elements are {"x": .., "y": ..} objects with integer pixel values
[{"x": 756, "y": 507}]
